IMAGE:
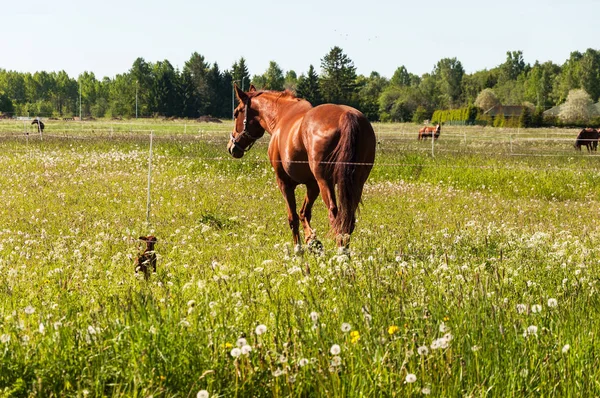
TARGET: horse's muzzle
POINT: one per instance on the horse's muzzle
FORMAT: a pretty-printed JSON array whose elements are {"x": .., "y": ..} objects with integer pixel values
[{"x": 235, "y": 151}]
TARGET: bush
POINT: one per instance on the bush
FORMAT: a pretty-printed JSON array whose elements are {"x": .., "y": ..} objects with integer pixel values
[{"x": 467, "y": 115}]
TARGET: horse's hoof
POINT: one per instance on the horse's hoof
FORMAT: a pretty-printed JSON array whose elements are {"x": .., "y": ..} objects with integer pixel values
[{"x": 315, "y": 246}]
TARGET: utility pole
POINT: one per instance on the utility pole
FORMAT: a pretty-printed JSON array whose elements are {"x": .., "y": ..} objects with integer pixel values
[
  {"x": 136, "y": 99},
  {"x": 80, "y": 119}
]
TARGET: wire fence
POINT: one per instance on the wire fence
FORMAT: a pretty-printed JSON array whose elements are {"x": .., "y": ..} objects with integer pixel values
[{"x": 557, "y": 144}]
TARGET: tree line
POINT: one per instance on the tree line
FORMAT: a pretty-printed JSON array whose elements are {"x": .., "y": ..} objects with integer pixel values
[{"x": 200, "y": 88}]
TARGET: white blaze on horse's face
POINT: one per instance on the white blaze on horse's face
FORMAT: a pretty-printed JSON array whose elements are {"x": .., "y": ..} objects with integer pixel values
[{"x": 233, "y": 146}]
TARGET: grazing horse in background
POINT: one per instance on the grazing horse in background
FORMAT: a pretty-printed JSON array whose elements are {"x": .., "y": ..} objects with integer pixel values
[
  {"x": 321, "y": 147},
  {"x": 40, "y": 124},
  {"x": 426, "y": 132},
  {"x": 587, "y": 137}
]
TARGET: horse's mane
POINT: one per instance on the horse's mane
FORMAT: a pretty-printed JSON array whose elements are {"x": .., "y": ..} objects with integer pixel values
[{"x": 285, "y": 94}]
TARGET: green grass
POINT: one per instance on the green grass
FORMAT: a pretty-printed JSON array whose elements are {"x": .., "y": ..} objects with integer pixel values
[{"x": 468, "y": 242}]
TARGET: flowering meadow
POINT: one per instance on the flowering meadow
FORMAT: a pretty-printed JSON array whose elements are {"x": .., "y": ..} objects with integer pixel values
[{"x": 471, "y": 273}]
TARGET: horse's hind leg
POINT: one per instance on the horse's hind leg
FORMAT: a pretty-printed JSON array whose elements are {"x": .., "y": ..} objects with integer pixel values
[
  {"x": 312, "y": 193},
  {"x": 290, "y": 200},
  {"x": 328, "y": 194}
]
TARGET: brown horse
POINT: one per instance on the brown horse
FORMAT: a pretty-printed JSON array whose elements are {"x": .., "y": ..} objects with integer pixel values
[
  {"x": 40, "y": 125},
  {"x": 319, "y": 147},
  {"x": 426, "y": 132},
  {"x": 589, "y": 138}
]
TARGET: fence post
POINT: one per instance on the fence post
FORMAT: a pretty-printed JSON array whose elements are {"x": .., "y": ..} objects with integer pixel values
[
  {"x": 149, "y": 180},
  {"x": 432, "y": 144}
]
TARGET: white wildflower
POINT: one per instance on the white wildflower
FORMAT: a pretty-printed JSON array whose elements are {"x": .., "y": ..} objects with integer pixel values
[
  {"x": 346, "y": 327},
  {"x": 411, "y": 378}
]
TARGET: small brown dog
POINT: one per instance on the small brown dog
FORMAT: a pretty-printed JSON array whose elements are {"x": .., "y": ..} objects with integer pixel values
[{"x": 146, "y": 260}]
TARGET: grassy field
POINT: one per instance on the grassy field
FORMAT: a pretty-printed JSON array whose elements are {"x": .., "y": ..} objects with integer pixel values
[{"x": 473, "y": 272}]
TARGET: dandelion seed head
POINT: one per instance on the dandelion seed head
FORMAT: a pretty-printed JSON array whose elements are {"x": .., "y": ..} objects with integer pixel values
[
  {"x": 410, "y": 378},
  {"x": 202, "y": 394},
  {"x": 566, "y": 348},
  {"x": 346, "y": 327},
  {"x": 335, "y": 349},
  {"x": 314, "y": 316},
  {"x": 336, "y": 361},
  {"x": 236, "y": 352},
  {"x": 261, "y": 329}
]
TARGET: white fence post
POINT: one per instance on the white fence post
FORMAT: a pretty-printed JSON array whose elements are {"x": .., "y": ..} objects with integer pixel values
[{"x": 149, "y": 180}]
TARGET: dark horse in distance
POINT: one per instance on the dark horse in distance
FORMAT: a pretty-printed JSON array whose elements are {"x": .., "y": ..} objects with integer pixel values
[
  {"x": 321, "y": 147},
  {"x": 40, "y": 124},
  {"x": 427, "y": 132},
  {"x": 589, "y": 138}
]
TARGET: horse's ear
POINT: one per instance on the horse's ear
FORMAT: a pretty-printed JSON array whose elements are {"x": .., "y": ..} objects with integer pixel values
[
  {"x": 240, "y": 94},
  {"x": 252, "y": 88}
]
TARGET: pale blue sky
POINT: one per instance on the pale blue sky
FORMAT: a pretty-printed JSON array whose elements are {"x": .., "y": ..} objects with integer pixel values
[{"x": 106, "y": 36}]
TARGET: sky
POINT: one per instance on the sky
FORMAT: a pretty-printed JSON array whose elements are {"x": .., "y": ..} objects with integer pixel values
[{"x": 105, "y": 37}]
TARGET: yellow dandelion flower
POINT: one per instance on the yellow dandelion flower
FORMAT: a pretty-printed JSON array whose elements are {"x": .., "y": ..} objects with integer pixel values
[
  {"x": 354, "y": 336},
  {"x": 392, "y": 329},
  {"x": 446, "y": 319}
]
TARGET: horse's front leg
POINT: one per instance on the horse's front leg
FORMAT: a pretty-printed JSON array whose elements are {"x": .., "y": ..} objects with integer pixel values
[{"x": 287, "y": 189}]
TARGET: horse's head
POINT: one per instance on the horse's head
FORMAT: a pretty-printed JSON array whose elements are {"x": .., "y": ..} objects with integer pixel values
[
  {"x": 246, "y": 126},
  {"x": 150, "y": 241}
]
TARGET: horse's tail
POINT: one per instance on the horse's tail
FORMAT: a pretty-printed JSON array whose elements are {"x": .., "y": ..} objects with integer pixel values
[{"x": 349, "y": 186}]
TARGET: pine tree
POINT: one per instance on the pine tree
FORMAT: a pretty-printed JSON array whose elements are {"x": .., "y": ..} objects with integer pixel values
[
  {"x": 308, "y": 87},
  {"x": 338, "y": 78}
]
